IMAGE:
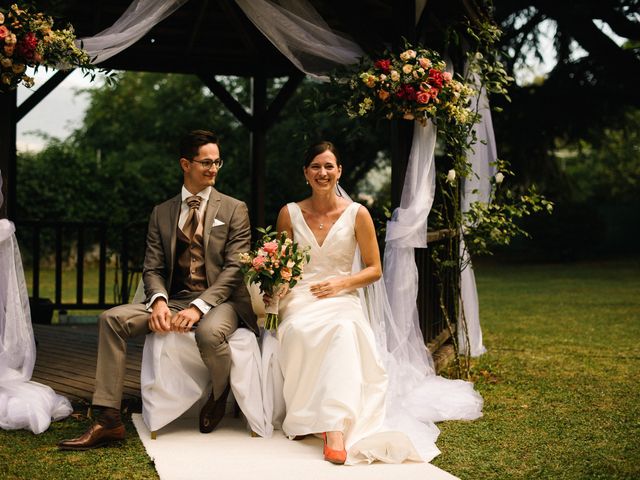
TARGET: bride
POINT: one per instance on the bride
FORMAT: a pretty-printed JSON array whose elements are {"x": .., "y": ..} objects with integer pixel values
[{"x": 335, "y": 374}]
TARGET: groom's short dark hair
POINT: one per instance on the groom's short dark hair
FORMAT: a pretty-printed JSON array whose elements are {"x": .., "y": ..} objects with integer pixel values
[{"x": 192, "y": 141}]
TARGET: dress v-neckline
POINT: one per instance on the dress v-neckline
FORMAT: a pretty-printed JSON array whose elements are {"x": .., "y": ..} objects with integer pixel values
[{"x": 330, "y": 228}]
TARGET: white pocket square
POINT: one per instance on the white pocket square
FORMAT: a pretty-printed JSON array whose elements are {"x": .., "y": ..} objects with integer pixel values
[{"x": 217, "y": 223}]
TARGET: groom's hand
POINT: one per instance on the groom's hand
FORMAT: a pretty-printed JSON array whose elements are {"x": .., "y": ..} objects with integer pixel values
[
  {"x": 160, "y": 320},
  {"x": 185, "y": 319}
]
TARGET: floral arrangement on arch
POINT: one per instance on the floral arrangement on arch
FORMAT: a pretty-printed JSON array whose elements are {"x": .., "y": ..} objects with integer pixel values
[
  {"x": 276, "y": 265},
  {"x": 411, "y": 85},
  {"x": 28, "y": 39}
]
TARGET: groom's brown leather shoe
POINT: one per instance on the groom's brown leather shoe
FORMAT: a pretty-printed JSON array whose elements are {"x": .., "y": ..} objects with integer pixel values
[
  {"x": 213, "y": 411},
  {"x": 96, "y": 436}
]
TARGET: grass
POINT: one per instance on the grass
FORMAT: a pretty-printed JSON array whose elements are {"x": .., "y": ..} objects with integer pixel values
[
  {"x": 560, "y": 383},
  {"x": 27, "y": 456},
  {"x": 560, "y": 379}
]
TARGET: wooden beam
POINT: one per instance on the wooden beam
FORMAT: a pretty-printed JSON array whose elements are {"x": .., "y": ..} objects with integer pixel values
[
  {"x": 248, "y": 36},
  {"x": 283, "y": 96},
  {"x": 8, "y": 123},
  {"x": 404, "y": 26},
  {"x": 36, "y": 97},
  {"x": 228, "y": 101},
  {"x": 258, "y": 150},
  {"x": 196, "y": 27}
]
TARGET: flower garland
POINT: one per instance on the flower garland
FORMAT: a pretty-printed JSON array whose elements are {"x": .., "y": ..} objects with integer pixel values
[
  {"x": 28, "y": 39},
  {"x": 414, "y": 84}
]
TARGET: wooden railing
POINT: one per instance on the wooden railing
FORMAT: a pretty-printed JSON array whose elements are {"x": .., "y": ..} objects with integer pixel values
[
  {"x": 432, "y": 321},
  {"x": 59, "y": 241}
]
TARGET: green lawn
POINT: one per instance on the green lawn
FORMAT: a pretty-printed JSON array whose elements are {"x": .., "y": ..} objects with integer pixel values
[
  {"x": 560, "y": 383},
  {"x": 560, "y": 379}
]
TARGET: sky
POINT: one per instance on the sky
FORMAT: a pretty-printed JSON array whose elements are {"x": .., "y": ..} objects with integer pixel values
[{"x": 57, "y": 115}]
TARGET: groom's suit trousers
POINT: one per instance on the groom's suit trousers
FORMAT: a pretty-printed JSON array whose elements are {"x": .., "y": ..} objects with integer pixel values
[{"x": 127, "y": 321}]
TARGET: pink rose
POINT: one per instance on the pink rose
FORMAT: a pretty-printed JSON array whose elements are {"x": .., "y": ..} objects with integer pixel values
[
  {"x": 447, "y": 76},
  {"x": 270, "y": 247},
  {"x": 4, "y": 31},
  {"x": 258, "y": 262},
  {"x": 423, "y": 97}
]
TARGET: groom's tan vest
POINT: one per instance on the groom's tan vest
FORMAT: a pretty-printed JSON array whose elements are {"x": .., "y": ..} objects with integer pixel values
[{"x": 189, "y": 271}]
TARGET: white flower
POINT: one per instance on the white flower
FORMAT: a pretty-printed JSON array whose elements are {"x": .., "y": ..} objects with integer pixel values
[
  {"x": 499, "y": 178},
  {"x": 451, "y": 176}
]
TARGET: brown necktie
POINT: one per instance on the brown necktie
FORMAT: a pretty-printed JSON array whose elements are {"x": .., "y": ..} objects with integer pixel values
[{"x": 191, "y": 223}]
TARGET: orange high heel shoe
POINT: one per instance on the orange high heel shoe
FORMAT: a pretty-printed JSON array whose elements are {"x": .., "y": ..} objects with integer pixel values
[{"x": 337, "y": 457}]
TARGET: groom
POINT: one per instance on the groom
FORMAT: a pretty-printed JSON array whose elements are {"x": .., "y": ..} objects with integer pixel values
[{"x": 192, "y": 279}]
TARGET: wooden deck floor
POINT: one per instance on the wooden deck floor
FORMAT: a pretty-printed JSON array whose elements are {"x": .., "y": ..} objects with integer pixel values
[{"x": 66, "y": 361}]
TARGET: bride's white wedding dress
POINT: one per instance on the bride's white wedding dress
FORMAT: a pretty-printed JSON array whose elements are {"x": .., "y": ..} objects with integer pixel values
[{"x": 334, "y": 374}]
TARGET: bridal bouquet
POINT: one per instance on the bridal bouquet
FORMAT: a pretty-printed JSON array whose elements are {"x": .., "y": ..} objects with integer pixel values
[
  {"x": 28, "y": 39},
  {"x": 413, "y": 84},
  {"x": 276, "y": 264}
]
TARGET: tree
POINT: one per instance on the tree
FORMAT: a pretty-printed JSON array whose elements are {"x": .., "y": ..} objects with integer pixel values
[{"x": 585, "y": 91}]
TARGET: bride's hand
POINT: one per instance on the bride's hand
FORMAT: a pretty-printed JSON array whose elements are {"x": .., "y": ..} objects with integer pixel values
[{"x": 326, "y": 289}]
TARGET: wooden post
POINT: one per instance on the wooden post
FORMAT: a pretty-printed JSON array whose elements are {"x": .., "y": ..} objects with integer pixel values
[
  {"x": 8, "y": 120},
  {"x": 258, "y": 150},
  {"x": 404, "y": 24}
]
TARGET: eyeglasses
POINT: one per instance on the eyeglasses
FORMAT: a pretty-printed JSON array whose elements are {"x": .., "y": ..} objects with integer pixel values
[{"x": 207, "y": 164}]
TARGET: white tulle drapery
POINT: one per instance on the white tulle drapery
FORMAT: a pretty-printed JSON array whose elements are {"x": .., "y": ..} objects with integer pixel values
[
  {"x": 407, "y": 230},
  {"x": 475, "y": 188},
  {"x": 23, "y": 403},
  {"x": 297, "y": 30},
  {"x": 133, "y": 24}
]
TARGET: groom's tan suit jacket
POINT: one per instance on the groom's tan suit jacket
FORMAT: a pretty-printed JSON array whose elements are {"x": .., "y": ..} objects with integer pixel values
[{"x": 226, "y": 233}]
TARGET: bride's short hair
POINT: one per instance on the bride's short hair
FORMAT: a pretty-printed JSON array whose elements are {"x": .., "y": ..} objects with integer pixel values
[{"x": 320, "y": 147}]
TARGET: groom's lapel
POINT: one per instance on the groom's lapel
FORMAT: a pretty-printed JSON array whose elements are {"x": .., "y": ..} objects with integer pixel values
[
  {"x": 209, "y": 217},
  {"x": 174, "y": 214}
]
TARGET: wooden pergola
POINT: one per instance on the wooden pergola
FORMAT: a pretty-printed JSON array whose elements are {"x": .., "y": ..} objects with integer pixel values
[{"x": 214, "y": 37}]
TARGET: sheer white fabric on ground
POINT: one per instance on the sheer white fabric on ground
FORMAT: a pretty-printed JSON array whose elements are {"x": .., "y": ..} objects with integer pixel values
[
  {"x": 476, "y": 188},
  {"x": 301, "y": 35},
  {"x": 23, "y": 403},
  {"x": 173, "y": 377},
  {"x": 133, "y": 24}
]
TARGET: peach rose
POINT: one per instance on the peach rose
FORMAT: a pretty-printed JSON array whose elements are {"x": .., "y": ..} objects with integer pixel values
[
  {"x": 383, "y": 95},
  {"x": 447, "y": 76},
  {"x": 285, "y": 273},
  {"x": 406, "y": 68},
  {"x": 4, "y": 32},
  {"x": 424, "y": 62}
]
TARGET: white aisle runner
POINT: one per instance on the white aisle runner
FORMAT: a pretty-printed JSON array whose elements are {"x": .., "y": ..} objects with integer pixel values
[{"x": 181, "y": 452}]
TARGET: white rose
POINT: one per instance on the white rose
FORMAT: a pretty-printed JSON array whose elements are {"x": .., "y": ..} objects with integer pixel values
[
  {"x": 451, "y": 176},
  {"x": 499, "y": 178}
]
